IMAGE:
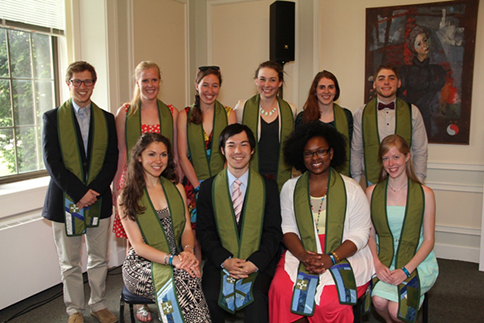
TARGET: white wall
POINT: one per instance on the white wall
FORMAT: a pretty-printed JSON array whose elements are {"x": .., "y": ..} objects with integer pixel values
[
  {"x": 181, "y": 35},
  {"x": 456, "y": 172}
]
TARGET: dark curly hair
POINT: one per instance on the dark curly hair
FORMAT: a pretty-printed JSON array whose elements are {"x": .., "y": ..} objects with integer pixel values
[
  {"x": 135, "y": 181},
  {"x": 296, "y": 142}
]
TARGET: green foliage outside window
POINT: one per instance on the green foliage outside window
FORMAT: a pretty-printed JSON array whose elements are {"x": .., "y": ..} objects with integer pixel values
[{"x": 27, "y": 90}]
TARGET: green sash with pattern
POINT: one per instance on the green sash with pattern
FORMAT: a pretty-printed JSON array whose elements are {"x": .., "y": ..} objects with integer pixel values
[
  {"x": 77, "y": 220},
  {"x": 133, "y": 125},
  {"x": 303, "y": 299},
  {"x": 341, "y": 123},
  {"x": 205, "y": 165},
  {"x": 409, "y": 289},
  {"x": 236, "y": 294},
  {"x": 371, "y": 136},
  {"x": 154, "y": 235},
  {"x": 251, "y": 119}
]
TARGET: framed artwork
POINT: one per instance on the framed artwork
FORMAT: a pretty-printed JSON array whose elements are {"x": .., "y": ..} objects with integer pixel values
[{"x": 433, "y": 47}]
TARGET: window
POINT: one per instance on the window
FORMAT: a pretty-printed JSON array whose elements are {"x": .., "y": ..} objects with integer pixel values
[
  {"x": 27, "y": 89},
  {"x": 29, "y": 34}
]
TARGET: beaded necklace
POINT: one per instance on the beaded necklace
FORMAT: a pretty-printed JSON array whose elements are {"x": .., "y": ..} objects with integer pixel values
[{"x": 320, "y": 208}]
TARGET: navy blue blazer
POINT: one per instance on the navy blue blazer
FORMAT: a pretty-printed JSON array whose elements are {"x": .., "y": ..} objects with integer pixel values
[{"x": 62, "y": 180}]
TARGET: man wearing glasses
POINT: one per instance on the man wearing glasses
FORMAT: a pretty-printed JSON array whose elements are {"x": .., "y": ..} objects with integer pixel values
[{"x": 80, "y": 154}]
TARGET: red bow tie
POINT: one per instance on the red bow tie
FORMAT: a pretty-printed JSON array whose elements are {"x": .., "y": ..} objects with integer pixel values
[{"x": 382, "y": 106}]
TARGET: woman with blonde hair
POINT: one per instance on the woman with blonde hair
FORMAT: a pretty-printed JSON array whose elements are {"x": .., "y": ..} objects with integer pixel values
[
  {"x": 144, "y": 114},
  {"x": 402, "y": 235}
]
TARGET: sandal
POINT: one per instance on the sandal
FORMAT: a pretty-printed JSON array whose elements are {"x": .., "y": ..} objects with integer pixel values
[{"x": 143, "y": 313}]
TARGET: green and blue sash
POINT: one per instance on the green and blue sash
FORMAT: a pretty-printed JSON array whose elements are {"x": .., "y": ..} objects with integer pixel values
[
  {"x": 303, "y": 300},
  {"x": 77, "y": 220},
  {"x": 154, "y": 235},
  {"x": 236, "y": 294},
  {"x": 409, "y": 289}
]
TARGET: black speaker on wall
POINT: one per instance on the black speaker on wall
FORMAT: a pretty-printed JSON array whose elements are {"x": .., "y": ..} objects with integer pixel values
[{"x": 282, "y": 31}]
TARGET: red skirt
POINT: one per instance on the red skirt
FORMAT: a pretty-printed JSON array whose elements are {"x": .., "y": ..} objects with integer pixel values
[{"x": 328, "y": 310}]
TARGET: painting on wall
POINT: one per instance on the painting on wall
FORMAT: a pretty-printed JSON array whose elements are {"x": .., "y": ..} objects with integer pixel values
[{"x": 433, "y": 47}]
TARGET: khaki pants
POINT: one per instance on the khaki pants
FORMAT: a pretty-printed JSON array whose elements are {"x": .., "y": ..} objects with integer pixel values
[{"x": 69, "y": 252}]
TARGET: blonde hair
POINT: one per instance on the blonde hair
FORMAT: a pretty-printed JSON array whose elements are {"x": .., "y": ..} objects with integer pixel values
[
  {"x": 402, "y": 146},
  {"x": 142, "y": 66}
]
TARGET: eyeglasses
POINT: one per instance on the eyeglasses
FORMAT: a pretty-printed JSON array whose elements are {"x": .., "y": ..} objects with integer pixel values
[
  {"x": 77, "y": 83},
  {"x": 204, "y": 68},
  {"x": 320, "y": 152}
]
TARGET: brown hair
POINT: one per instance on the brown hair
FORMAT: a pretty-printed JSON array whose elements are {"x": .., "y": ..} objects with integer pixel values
[
  {"x": 311, "y": 107},
  {"x": 142, "y": 66},
  {"x": 386, "y": 66},
  {"x": 402, "y": 146},
  {"x": 410, "y": 40},
  {"x": 135, "y": 180},
  {"x": 196, "y": 113},
  {"x": 276, "y": 67},
  {"x": 80, "y": 66}
]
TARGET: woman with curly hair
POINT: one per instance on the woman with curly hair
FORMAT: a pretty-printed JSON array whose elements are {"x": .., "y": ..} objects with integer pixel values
[
  {"x": 161, "y": 264},
  {"x": 326, "y": 225},
  {"x": 320, "y": 106}
]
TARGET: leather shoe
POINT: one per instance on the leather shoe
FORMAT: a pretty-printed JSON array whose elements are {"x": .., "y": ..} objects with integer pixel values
[
  {"x": 76, "y": 318},
  {"x": 105, "y": 316}
]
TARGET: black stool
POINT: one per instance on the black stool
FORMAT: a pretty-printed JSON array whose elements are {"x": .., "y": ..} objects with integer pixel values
[{"x": 131, "y": 299}]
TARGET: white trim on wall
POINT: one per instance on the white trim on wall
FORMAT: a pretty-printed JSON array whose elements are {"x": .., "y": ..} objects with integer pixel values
[
  {"x": 315, "y": 37},
  {"x": 454, "y": 251},
  {"x": 454, "y": 166},
  {"x": 130, "y": 40}
]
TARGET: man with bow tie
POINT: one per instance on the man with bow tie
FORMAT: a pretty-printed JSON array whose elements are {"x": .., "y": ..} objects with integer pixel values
[{"x": 383, "y": 116}]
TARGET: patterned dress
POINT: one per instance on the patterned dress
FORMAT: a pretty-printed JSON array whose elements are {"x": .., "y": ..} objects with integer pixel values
[
  {"x": 138, "y": 280},
  {"x": 145, "y": 128}
]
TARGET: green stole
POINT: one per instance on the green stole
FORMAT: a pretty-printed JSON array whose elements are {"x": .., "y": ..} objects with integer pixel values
[
  {"x": 206, "y": 166},
  {"x": 235, "y": 294},
  {"x": 154, "y": 235},
  {"x": 409, "y": 289},
  {"x": 76, "y": 219},
  {"x": 133, "y": 125},
  {"x": 341, "y": 123},
  {"x": 251, "y": 119},
  {"x": 303, "y": 299},
  {"x": 371, "y": 136}
]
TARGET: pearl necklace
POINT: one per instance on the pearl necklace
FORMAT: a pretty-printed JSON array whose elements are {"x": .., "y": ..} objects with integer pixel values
[
  {"x": 264, "y": 112},
  {"x": 394, "y": 190}
]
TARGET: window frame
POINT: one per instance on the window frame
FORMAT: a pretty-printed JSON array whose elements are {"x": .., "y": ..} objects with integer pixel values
[{"x": 54, "y": 35}]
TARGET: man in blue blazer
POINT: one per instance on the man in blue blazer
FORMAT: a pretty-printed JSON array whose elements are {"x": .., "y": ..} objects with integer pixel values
[{"x": 80, "y": 155}]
